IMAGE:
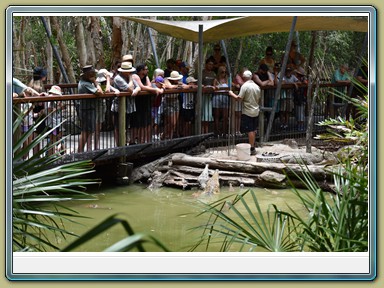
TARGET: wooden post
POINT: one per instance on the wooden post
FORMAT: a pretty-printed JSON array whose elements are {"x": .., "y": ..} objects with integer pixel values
[
  {"x": 308, "y": 138},
  {"x": 199, "y": 95},
  {"x": 122, "y": 120}
]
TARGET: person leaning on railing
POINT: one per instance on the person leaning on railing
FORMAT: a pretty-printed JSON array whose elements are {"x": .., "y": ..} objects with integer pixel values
[
  {"x": 88, "y": 85},
  {"x": 19, "y": 89}
]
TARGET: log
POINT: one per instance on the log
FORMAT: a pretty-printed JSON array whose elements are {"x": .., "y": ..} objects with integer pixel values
[
  {"x": 182, "y": 171},
  {"x": 317, "y": 171}
]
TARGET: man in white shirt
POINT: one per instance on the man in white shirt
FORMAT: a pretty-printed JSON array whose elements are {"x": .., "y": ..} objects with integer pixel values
[{"x": 250, "y": 95}]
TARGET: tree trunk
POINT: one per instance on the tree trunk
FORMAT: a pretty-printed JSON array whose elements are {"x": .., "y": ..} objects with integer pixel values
[
  {"x": 187, "y": 56},
  {"x": 180, "y": 50},
  {"x": 135, "y": 44},
  {"x": 97, "y": 42},
  {"x": 91, "y": 57},
  {"x": 127, "y": 35},
  {"x": 49, "y": 65},
  {"x": 80, "y": 41},
  {"x": 236, "y": 67},
  {"x": 155, "y": 38},
  {"x": 117, "y": 40},
  {"x": 63, "y": 48},
  {"x": 16, "y": 48}
]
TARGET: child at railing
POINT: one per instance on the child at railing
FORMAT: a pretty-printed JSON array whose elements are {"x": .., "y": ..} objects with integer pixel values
[
  {"x": 220, "y": 102},
  {"x": 286, "y": 98},
  {"x": 188, "y": 106},
  {"x": 300, "y": 99},
  {"x": 54, "y": 118},
  {"x": 104, "y": 80}
]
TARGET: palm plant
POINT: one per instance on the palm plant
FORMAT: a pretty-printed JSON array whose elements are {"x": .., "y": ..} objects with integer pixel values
[
  {"x": 40, "y": 185},
  {"x": 37, "y": 181},
  {"x": 246, "y": 231}
]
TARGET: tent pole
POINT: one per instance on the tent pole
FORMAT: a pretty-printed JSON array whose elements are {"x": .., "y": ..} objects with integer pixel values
[
  {"x": 199, "y": 97},
  {"x": 153, "y": 47},
  {"x": 282, "y": 73},
  {"x": 49, "y": 34},
  {"x": 298, "y": 41}
]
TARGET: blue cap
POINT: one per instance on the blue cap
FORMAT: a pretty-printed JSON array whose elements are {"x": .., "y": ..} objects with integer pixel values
[{"x": 159, "y": 79}]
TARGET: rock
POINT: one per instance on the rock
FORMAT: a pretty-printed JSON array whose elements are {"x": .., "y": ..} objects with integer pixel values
[
  {"x": 273, "y": 177},
  {"x": 291, "y": 143}
]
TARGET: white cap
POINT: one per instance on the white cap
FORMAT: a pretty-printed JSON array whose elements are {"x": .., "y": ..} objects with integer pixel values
[{"x": 247, "y": 74}]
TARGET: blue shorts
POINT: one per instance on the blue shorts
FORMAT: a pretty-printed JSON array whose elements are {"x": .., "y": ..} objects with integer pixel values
[{"x": 220, "y": 101}]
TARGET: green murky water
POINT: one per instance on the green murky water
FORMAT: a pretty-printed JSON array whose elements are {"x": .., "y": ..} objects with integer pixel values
[{"x": 166, "y": 213}]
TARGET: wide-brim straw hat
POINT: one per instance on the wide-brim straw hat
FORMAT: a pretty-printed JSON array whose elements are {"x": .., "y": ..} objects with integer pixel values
[
  {"x": 126, "y": 67},
  {"x": 127, "y": 58},
  {"x": 175, "y": 76},
  {"x": 88, "y": 69},
  {"x": 190, "y": 79},
  {"x": 102, "y": 75},
  {"x": 300, "y": 70},
  {"x": 55, "y": 90}
]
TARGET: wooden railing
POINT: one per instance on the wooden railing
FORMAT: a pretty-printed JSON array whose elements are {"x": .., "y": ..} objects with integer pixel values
[{"x": 111, "y": 130}]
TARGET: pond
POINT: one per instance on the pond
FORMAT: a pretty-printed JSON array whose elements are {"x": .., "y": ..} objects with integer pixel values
[{"x": 166, "y": 213}]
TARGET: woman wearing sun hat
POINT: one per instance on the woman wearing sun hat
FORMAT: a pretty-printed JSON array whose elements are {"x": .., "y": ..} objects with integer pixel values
[
  {"x": 171, "y": 105},
  {"x": 104, "y": 80}
]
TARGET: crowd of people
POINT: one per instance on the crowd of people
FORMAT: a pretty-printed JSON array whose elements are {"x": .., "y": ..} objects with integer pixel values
[{"x": 159, "y": 114}]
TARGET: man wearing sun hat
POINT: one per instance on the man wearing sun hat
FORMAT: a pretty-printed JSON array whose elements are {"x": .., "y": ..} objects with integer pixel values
[
  {"x": 250, "y": 95},
  {"x": 127, "y": 58},
  {"x": 88, "y": 85},
  {"x": 125, "y": 83}
]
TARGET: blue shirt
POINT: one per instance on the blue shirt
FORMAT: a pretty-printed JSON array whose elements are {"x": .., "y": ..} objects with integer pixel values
[
  {"x": 86, "y": 87},
  {"x": 18, "y": 86}
]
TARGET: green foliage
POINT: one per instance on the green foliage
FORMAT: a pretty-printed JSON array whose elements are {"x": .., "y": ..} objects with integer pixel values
[
  {"x": 37, "y": 182},
  {"x": 246, "y": 231}
]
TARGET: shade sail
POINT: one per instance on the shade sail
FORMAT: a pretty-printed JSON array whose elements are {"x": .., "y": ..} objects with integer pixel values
[{"x": 216, "y": 30}]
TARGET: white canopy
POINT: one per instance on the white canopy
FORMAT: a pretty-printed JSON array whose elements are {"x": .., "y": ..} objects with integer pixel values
[{"x": 216, "y": 30}]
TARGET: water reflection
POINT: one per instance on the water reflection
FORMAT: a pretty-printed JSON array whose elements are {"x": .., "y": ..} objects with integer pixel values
[{"x": 166, "y": 213}]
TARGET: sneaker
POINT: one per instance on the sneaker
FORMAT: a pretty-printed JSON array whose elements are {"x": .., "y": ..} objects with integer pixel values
[{"x": 253, "y": 151}]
